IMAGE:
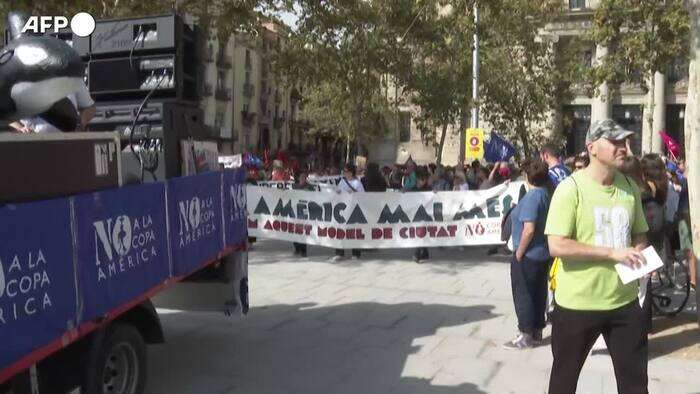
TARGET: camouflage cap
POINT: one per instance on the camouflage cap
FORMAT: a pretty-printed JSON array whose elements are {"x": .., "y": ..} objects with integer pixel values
[{"x": 608, "y": 129}]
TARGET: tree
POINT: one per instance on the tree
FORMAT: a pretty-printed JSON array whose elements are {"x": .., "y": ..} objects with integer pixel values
[
  {"x": 343, "y": 44},
  {"x": 432, "y": 65},
  {"x": 643, "y": 37},
  {"x": 522, "y": 79},
  {"x": 692, "y": 126},
  {"x": 329, "y": 112}
]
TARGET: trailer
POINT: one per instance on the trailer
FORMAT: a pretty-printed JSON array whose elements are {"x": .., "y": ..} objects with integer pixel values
[{"x": 77, "y": 275}]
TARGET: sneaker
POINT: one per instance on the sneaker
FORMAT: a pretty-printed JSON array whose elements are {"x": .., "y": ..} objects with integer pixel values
[
  {"x": 356, "y": 257},
  {"x": 337, "y": 258},
  {"x": 522, "y": 341},
  {"x": 537, "y": 337}
]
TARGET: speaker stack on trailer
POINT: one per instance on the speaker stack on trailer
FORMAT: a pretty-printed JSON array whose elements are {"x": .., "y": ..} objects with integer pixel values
[{"x": 142, "y": 74}]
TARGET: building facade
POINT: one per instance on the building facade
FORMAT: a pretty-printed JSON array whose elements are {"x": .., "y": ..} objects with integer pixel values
[
  {"x": 572, "y": 119},
  {"x": 247, "y": 106},
  {"x": 625, "y": 104}
]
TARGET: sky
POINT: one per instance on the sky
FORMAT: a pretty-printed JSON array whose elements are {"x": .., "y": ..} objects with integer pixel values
[{"x": 289, "y": 19}]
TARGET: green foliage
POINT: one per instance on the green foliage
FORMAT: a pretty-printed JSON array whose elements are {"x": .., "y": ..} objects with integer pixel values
[
  {"x": 522, "y": 78},
  {"x": 227, "y": 16},
  {"x": 643, "y": 37},
  {"x": 343, "y": 44}
]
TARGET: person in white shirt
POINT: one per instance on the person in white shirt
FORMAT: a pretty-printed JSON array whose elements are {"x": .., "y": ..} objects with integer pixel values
[
  {"x": 350, "y": 183},
  {"x": 81, "y": 100}
]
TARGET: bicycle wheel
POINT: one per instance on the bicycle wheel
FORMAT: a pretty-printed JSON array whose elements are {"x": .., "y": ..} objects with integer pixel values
[{"x": 670, "y": 288}]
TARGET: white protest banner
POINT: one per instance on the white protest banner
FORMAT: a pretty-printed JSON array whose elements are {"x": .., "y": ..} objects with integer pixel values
[
  {"x": 285, "y": 185},
  {"x": 380, "y": 220}
]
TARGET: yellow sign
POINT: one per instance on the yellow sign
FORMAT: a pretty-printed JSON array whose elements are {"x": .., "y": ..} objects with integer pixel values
[{"x": 474, "y": 144}]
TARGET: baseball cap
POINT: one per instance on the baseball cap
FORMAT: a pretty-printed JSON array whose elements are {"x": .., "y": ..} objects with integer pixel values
[{"x": 608, "y": 129}]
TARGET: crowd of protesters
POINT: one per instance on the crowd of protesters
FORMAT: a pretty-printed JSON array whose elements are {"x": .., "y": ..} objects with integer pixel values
[{"x": 609, "y": 204}]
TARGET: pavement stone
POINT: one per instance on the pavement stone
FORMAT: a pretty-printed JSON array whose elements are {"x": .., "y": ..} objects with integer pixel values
[{"x": 386, "y": 325}]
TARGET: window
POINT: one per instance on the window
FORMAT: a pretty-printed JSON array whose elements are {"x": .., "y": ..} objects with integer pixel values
[
  {"x": 577, "y": 4},
  {"x": 221, "y": 80},
  {"x": 404, "y": 126},
  {"x": 587, "y": 58},
  {"x": 577, "y": 120},
  {"x": 677, "y": 70},
  {"x": 630, "y": 118}
]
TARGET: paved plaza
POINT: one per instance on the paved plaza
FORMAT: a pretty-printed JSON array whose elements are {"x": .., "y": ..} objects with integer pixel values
[{"x": 384, "y": 324}]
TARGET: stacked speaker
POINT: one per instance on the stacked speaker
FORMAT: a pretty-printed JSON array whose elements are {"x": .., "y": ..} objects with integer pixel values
[{"x": 142, "y": 74}]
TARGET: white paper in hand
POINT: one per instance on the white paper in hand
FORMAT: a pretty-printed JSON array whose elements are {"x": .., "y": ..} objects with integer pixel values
[{"x": 628, "y": 274}]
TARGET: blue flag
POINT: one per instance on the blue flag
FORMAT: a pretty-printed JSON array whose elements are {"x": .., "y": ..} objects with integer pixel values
[{"x": 498, "y": 149}]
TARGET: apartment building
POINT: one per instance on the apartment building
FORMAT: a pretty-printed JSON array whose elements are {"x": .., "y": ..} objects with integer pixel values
[{"x": 248, "y": 108}]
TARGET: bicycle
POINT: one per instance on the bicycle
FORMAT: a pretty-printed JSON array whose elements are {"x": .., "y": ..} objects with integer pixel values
[{"x": 670, "y": 286}]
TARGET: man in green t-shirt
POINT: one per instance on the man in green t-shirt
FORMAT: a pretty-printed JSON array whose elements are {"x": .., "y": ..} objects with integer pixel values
[{"x": 595, "y": 221}]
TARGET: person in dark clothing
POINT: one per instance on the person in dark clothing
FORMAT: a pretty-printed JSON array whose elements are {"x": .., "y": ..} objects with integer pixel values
[
  {"x": 302, "y": 184},
  {"x": 373, "y": 180},
  {"x": 530, "y": 264},
  {"x": 422, "y": 185}
]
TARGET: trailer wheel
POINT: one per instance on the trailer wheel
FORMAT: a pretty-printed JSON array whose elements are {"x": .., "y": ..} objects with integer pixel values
[{"x": 117, "y": 363}]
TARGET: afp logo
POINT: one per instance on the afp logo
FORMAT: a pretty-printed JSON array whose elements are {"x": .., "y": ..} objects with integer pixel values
[
  {"x": 114, "y": 235},
  {"x": 82, "y": 24}
]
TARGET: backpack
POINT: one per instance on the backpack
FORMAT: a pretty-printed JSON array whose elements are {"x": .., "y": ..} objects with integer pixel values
[{"x": 506, "y": 224}]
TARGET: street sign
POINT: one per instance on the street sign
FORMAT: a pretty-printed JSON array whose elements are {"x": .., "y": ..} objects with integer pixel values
[{"x": 474, "y": 143}]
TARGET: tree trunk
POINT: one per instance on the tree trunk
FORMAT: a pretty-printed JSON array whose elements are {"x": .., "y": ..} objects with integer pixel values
[
  {"x": 347, "y": 150},
  {"x": 692, "y": 128},
  {"x": 443, "y": 134},
  {"x": 648, "y": 129},
  {"x": 358, "y": 128},
  {"x": 522, "y": 133}
]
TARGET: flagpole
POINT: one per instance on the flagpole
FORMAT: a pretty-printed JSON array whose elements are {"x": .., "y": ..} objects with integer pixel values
[{"x": 475, "y": 70}]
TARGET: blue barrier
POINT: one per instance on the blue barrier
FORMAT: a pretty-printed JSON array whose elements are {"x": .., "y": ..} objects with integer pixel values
[
  {"x": 194, "y": 211},
  {"x": 117, "y": 240},
  {"x": 234, "y": 203},
  {"x": 121, "y": 245},
  {"x": 37, "y": 277}
]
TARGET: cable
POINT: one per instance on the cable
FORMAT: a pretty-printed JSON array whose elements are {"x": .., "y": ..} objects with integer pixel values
[
  {"x": 133, "y": 125},
  {"x": 136, "y": 41}
]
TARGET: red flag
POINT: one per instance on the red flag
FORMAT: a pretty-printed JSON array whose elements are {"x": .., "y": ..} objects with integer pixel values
[{"x": 673, "y": 147}]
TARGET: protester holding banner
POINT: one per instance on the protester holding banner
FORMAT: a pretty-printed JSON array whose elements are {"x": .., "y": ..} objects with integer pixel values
[
  {"x": 302, "y": 184},
  {"x": 349, "y": 184},
  {"x": 529, "y": 265},
  {"x": 373, "y": 181},
  {"x": 409, "y": 178},
  {"x": 422, "y": 185}
]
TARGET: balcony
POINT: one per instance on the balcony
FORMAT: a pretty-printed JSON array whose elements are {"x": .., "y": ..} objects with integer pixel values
[
  {"x": 207, "y": 90},
  {"x": 278, "y": 122},
  {"x": 247, "y": 118},
  {"x": 248, "y": 90},
  {"x": 223, "y": 94},
  {"x": 222, "y": 61}
]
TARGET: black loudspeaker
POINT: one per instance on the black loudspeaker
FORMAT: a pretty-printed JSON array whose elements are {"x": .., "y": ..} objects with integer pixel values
[
  {"x": 130, "y": 57},
  {"x": 155, "y": 140}
]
